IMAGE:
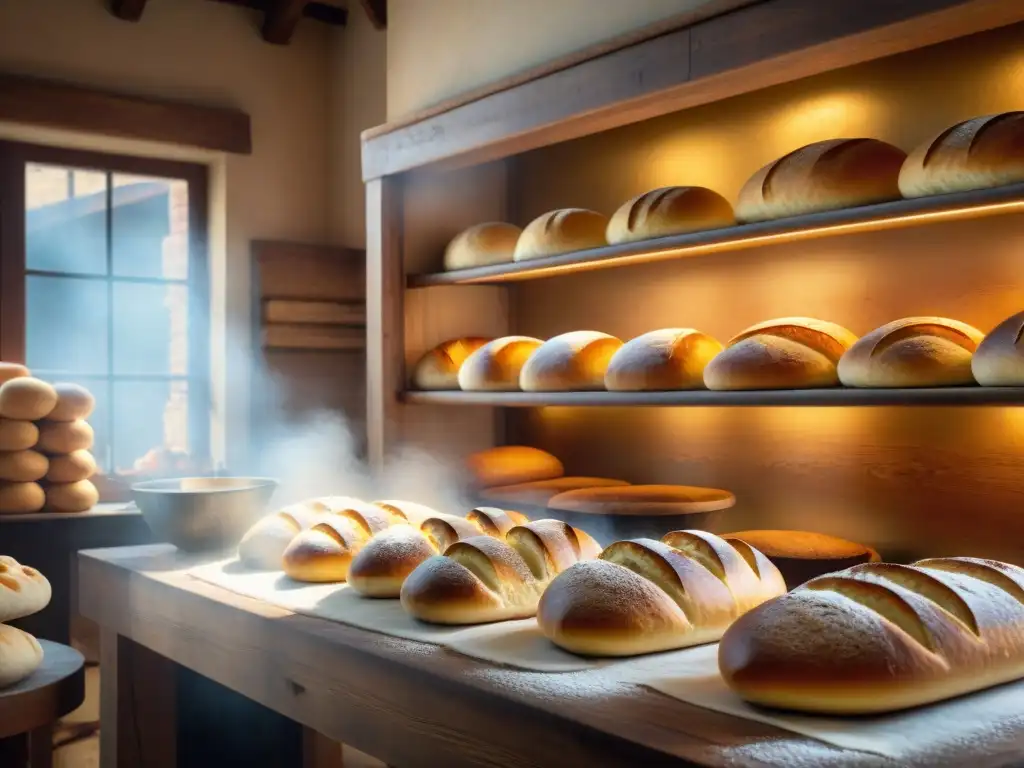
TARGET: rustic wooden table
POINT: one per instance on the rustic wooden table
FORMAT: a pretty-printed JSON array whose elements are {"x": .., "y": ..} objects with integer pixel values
[{"x": 407, "y": 703}]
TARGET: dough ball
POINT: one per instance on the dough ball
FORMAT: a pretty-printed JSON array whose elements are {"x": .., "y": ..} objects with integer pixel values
[
  {"x": 16, "y": 435},
  {"x": 10, "y": 371},
  {"x": 71, "y": 467},
  {"x": 64, "y": 436},
  {"x": 26, "y": 398},
  {"x": 73, "y": 402},
  {"x": 23, "y": 466},
  {"x": 21, "y": 498},
  {"x": 71, "y": 497}
]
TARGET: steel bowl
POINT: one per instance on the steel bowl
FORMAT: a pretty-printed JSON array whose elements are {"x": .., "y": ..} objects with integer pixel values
[{"x": 203, "y": 514}]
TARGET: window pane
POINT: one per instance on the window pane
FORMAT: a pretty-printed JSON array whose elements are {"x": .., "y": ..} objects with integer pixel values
[
  {"x": 100, "y": 418},
  {"x": 150, "y": 227},
  {"x": 150, "y": 329},
  {"x": 65, "y": 219},
  {"x": 148, "y": 415},
  {"x": 66, "y": 324}
]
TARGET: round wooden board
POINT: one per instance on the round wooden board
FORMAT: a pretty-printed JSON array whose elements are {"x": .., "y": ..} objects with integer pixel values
[{"x": 49, "y": 693}]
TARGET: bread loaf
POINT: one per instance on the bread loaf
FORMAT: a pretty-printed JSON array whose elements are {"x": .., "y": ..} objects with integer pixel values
[
  {"x": 912, "y": 352},
  {"x": 10, "y": 371},
  {"x": 73, "y": 402},
  {"x": 17, "y": 435},
  {"x": 981, "y": 152},
  {"x": 410, "y": 511},
  {"x": 643, "y": 500},
  {"x": 263, "y": 545},
  {"x": 71, "y": 497},
  {"x": 439, "y": 368},
  {"x": 64, "y": 436},
  {"x": 496, "y": 366},
  {"x": 999, "y": 359},
  {"x": 23, "y": 466},
  {"x": 540, "y": 492},
  {"x": 802, "y": 555},
  {"x": 23, "y": 590},
  {"x": 493, "y": 242},
  {"x": 26, "y": 398},
  {"x": 669, "y": 211},
  {"x": 561, "y": 231},
  {"x": 789, "y": 353},
  {"x": 21, "y": 498},
  {"x": 672, "y": 358},
  {"x": 71, "y": 467},
  {"x": 643, "y": 596},
  {"x": 510, "y": 464},
  {"x": 574, "y": 361},
  {"x": 483, "y": 579},
  {"x": 881, "y": 637},
  {"x": 20, "y": 655}
]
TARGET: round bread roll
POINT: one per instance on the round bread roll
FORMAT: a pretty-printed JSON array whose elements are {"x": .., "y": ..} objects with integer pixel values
[
  {"x": 17, "y": 435},
  {"x": 73, "y": 402},
  {"x": 803, "y": 555},
  {"x": 975, "y": 154},
  {"x": 669, "y": 211},
  {"x": 510, "y": 464},
  {"x": 496, "y": 366},
  {"x": 71, "y": 497},
  {"x": 20, "y": 655},
  {"x": 71, "y": 467},
  {"x": 26, "y": 398},
  {"x": 912, "y": 352},
  {"x": 323, "y": 552},
  {"x": 672, "y": 358},
  {"x": 21, "y": 498},
  {"x": 561, "y": 231},
  {"x": 643, "y": 500},
  {"x": 540, "y": 492},
  {"x": 493, "y": 242},
  {"x": 263, "y": 545},
  {"x": 10, "y": 371},
  {"x": 23, "y": 590},
  {"x": 439, "y": 368},
  {"x": 23, "y": 466},
  {"x": 824, "y": 176},
  {"x": 997, "y": 362},
  {"x": 64, "y": 436},
  {"x": 789, "y": 353},
  {"x": 572, "y": 362}
]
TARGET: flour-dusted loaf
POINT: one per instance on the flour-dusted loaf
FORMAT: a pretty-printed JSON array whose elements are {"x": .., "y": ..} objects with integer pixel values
[
  {"x": 982, "y": 152},
  {"x": 881, "y": 637},
  {"x": 803, "y": 555},
  {"x": 496, "y": 366},
  {"x": 667, "y": 359},
  {"x": 539, "y": 492},
  {"x": 23, "y": 590},
  {"x": 669, "y": 211},
  {"x": 912, "y": 352},
  {"x": 492, "y": 242},
  {"x": 999, "y": 359},
  {"x": 788, "y": 353},
  {"x": 824, "y": 176},
  {"x": 572, "y": 362},
  {"x": 643, "y": 500},
  {"x": 20, "y": 655},
  {"x": 18, "y": 434},
  {"x": 643, "y": 596},
  {"x": 439, "y": 368},
  {"x": 484, "y": 579},
  {"x": 508, "y": 464},
  {"x": 23, "y": 466},
  {"x": 561, "y": 231},
  {"x": 26, "y": 398},
  {"x": 73, "y": 402}
]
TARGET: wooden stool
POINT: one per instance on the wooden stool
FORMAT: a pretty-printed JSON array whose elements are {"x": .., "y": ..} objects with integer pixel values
[{"x": 29, "y": 710}]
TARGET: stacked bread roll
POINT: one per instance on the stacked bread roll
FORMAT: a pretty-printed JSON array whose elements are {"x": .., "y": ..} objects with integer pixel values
[
  {"x": 23, "y": 592},
  {"x": 67, "y": 438}
]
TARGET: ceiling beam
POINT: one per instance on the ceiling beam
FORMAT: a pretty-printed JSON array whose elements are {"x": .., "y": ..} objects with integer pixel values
[
  {"x": 377, "y": 10},
  {"x": 280, "y": 20},
  {"x": 310, "y": 9},
  {"x": 128, "y": 10}
]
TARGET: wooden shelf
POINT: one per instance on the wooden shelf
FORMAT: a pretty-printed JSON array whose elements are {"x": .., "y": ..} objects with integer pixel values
[{"x": 869, "y": 218}]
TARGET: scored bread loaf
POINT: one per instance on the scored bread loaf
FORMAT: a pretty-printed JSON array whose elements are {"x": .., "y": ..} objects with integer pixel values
[
  {"x": 411, "y": 511},
  {"x": 20, "y": 655},
  {"x": 561, "y": 231},
  {"x": 492, "y": 242},
  {"x": 881, "y": 637},
  {"x": 496, "y": 366},
  {"x": 912, "y": 352},
  {"x": 484, "y": 579},
  {"x": 671, "y": 358},
  {"x": 982, "y": 152},
  {"x": 381, "y": 567},
  {"x": 23, "y": 590},
  {"x": 263, "y": 545},
  {"x": 539, "y": 492},
  {"x": 802, "y": 555},
  {"x": 669, "y": 211},
  {"x": 643, "y": 500},
  {"x": 643, "y": 596},
  {"x": 788, "y": 353},
  {"x": 824, "y": 176},
  {"x": 574, "y": 361},
  {"x": 999, "y": 359},
  {"x": 439, "y": 368},
  {"x": 508, "y": 464}
]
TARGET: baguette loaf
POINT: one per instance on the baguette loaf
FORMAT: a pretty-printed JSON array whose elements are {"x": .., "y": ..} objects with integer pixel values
[
  {"x": 23, "y": 590},
  {"x": 982, "y": 152},
  {"x": 493, "y": 242},
  {"x": 824, "y": 176},
  {"x": 484, "y": 579},
  {"x": 20, "y": 655},
  {"x": 510, "y": 464},
  {"x": 912, "y": 352},
  {"x": 669, "y": 211},
  {"x": 439, "y": 368},
  {"x": 574, "y": 361},
  {"x": 643, "y": 596},
  {"x": 643, "y": 500},
  {"x": 264, "y": 543},
  {"x": 789, "y": 353},
  {"x": 803, "y": 555},
  {"x": 999, "y": 358},
  {"x": 881, "y": 637},
  {"x": 540, "y": 492},
  {"x": 495, "y": 367},
  {"x": 672, "y": 358},
  {"x": 561, "y": 231}
]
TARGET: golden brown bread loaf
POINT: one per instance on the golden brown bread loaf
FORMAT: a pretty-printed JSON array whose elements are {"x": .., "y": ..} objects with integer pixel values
[
  {"x": 64, "y": 436},
  {"x": 982, "y": 152},
  {"x": 912, "y": 352},
  {"x": 71, "y": 467},
  {"x": 71, "y": 497},
  {"x": 21, "y": 498},
  {"x": 788, "y": 353},
  {"x": 803, "y": 555},
  {"x": 263, "y": 545},
  {"x": 439, "y": 368},
  {"x": 26, "y": 398},
  {"x": 23, "y": 466},
  {"x": 73, "y": 402},
  {"x": 672, "y": 358},
  {"x": 495, "y": 366},
  {"x": 492, "y": 242},
  {"x": 20, "y": 655},
  {"x": 508, "y": 464},
  {"x": 643, "y": 596},
  {"x": 561, "y": 231},
  {"x": 881, "y": 637},
  {"x": 824, "y": 176},
  {"x": 643, "y": 500},
  {"x": 572, "y": 362},
  {"x": 10, "y": 371},
  {"x": 669, "y": 211},
  {"x": 999, "y": 359},
  {"x": 23, "y": 590},
  {"x": 539, "y": 492},
  {"x": 17, "y": 435},
  {"x": 484, "y": 579}
]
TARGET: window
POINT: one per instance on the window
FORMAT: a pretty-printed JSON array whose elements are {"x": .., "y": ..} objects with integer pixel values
[{"x": 103, "y": 282}]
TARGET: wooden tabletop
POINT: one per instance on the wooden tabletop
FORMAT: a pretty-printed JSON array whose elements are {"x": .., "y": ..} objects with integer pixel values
[
  {"x": 56, "y": 688},
  {"x": 414, "y": 704}
]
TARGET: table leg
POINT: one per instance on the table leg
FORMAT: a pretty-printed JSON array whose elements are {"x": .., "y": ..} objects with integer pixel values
[
  {"x": 318, "y": 751},
  {"x": 40, "y": 747},
  {"x": 137, "y": 706}
]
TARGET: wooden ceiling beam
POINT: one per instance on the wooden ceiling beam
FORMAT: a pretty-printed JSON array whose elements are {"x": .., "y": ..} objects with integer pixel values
[
  {"x": 377, "y": 10},
  {"x": 280, "y": 20},
  {"x": 128, "y": 10}
]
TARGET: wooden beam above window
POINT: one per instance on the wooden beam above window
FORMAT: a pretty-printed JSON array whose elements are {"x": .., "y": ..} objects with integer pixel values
[
  {"x": 128, "y": 10},
  {"x": 281, "y": 19},
  {"x": 377, "y": 10}
]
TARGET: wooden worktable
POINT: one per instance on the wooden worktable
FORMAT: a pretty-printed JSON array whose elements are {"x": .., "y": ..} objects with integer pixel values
[{"x": 407, "y": 703}]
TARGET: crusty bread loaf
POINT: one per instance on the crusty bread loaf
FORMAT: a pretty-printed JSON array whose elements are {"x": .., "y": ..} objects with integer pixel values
[
  {"x": 496, "y": 366},
  {"x": 492, "y": 242},
  {"x": 20, "y": 655},
  {"x": 981, "y": 152},
  {"x": 263, "y": 545},
  {"x": 999, "y": 359},
  {"x": 669, "y": 211},
  {"x": 912, "y": 352},
  {"x": 643, "y": 500},
  {"x": 10, "y": 371},
  {"x": 484, "y": 579},
  {"x": 561, "y": 231},
  {"x": 73, "y": 402},
  {"x": 71, "y": 467},
  {"x": 803, "y": 555},
  {"x": 21, "y": 498},
  {"x": 71, "y": 497},
  {"x": 508, "y": 464},
  {"x": 881, "y": 637},
  {"x": 18, "y": 434},
  {"x": 539, "y": 492},
  {"x": 439, "y": 368},
  {"x": 571, "y": 362},
  {"x": 23, "y": 466},
  {"x": 643, "y": 596},
  {"x": 788, "y": 353},
  {"x": 403, "y": 510},
  {"x": 671, "y": 358},
  {"x": 65, "y": 436},
  {"x": 26, "y": 398},
  {"x": 23, "y": 590}
]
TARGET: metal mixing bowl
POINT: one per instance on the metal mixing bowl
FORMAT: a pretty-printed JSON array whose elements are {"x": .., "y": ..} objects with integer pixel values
[{"x": 203, "y": 514}]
